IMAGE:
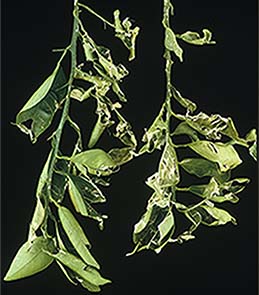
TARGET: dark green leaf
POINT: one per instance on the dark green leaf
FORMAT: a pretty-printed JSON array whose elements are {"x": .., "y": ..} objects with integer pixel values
[
  {"x": 43, "y": 105},
  {"x": 30, "y": 259},
  {"x": 184, "y": 129}
]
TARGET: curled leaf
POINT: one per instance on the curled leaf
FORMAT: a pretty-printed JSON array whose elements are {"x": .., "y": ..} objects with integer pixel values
[
  {"x": 195, "y": 38},
  {"x": 43, "y": 104}
]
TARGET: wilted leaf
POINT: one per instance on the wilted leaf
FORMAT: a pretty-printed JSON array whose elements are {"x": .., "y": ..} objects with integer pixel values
[
  {"x": 223, "y": 154},
  {"x": 202, "y": 167},
  {"x": 76, "y": 236},
  {"x": 96, "y": 161},
  {"x": 172, "y": 44},
  {"x": 155, "y": 227},
  {"x": 121, "y": 155},
  {"x": 168, "y": 166},
  {"x": 43, "y": 105},
  {"x": 185, "y": 102},
  {"x": 125, "y": 134},
  {"x": 87, "y": 273},
  {"x": 195, "y": 39},
  {"x": 30, "y": 259},
  {"x": 125, "y": 33}
]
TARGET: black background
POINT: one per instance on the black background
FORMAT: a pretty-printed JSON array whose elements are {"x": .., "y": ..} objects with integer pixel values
[{"x": 221, "y": 79}]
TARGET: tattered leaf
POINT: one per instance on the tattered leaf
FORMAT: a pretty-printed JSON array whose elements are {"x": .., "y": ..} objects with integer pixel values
[
  {"x": 43, "y": 105},
  {"x": 125, "y": 134},
  {"x": 124, "y": 32},
  {"x": 224, "y": 154},
  {"x": 121, "y": 155},
  {"x": 30, "y": 259},
  {"x": 76, "y": 236}
]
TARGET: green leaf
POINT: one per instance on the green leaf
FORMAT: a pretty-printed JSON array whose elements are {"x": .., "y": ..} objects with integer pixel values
[
  {"x": 168, "y": 166},
  {"x": 223, "y": 154},
  {"x": 97, "y": 162},
  {"x": 81, "y": 205},
  {"x": 121, "y": 155},
  {"x": 195, "y": 39},
  {"x": 104, "y": 121},
  {"x": 124, "y": 32},
  {"x": 43, "y": 105},
  {"x": 172, "y": 44},
  {"x": 184, "y": 129},
  {"x": 253, "y": 150},
  {"x": 37, "y": 220},
  {"x": 155, "y": 227},
  {"x": 76, "y": 236},
  {"x": 30, "y": 259},
  {"x": 214, "y": 126},
  {"x": 125, "y": 134},
  {"x": 155, "y": 135},
  {"x": 87, "y": 273},
  {"x": 87, "y": 189},
  {"x": 212, "y": 216},
  {"x": 185, "y": 102},
  {"x": 202, "y": 167}
]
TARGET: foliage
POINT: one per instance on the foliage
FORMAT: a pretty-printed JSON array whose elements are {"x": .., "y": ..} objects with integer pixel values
[{"x": 78, "y": 176}]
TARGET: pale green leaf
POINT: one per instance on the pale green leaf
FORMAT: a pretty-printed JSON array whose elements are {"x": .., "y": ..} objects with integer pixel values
[
  {"x": 125, "y": 33},
  {"x": 172, "y": 44},
  {"x": 97, "y": 162},
  {"x": 30, "y": 259},
  {"x": 202, "y": 167},
  {"x": 185, "y": 102},
  {"x": 223, "y": 154},
  {"x": 195, "y": 39},
  {"x": 37, "y": 219}
]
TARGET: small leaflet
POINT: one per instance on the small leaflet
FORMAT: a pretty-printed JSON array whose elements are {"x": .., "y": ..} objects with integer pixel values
[{"x": 195, "y": 38}]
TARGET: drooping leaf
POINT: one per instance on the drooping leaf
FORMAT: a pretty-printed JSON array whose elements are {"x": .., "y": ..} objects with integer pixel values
[
  {"x": 202, "y": 167},
  {"x": 121, "y": 155},
  {"x": 37, "y": 220},
  {"x": 43, "y": 105},
  {"x": 184, "y": 129},
  {"x": 155, "y": 227},
  {"x": 76, "y": 236},
  {"x": 97, "y": 162},
  {"x": 81, "y": 205},
  {"x": 224, "y": 154},
  {"x": 125, "y": 33},
  {"x": 154, "y": 137},
  {"x": 87, "y": 273},
  {"x": 172, "y": 44},
  {"x": 104, "y": 121},
  {"x": 30, "y": 259},
  {"x": 87, "y": 189},
  {"x": 195, "y": 38},
  {"x": 185, "y": 102},
  {"x": 212, "y": 216},
  {"x": 168, "y": 166}
]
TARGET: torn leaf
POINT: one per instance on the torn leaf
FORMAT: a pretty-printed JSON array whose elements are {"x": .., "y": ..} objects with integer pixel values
[{"x": 125, "y": 33}]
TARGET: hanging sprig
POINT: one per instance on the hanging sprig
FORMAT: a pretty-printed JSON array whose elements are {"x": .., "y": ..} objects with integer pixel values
[
  {"x": 216, "y": 159},
  {"x": 75, "y": 176}
]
